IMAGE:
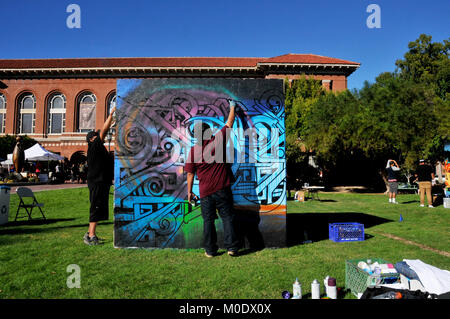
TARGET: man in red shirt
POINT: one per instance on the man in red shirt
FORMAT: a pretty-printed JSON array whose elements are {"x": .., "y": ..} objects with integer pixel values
[{"x": 207, "y": 160}]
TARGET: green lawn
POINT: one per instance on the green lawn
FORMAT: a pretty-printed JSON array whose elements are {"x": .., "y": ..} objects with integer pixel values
[{"x": 34, "y": 256}]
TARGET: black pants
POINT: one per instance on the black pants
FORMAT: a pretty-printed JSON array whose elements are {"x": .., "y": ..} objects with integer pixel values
[
  {"x": 99, "y": 198},
  {"x": 221, "y": 200}
]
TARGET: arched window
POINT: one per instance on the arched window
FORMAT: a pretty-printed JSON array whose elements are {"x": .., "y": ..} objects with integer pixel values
[
  {"x": 2, "y": 113},
  {"x": 87, "y": 103},
  {"x": 27, "y": 114},
  {"x": 56, "y": 114},
  {"x": 111, "y": 103}
]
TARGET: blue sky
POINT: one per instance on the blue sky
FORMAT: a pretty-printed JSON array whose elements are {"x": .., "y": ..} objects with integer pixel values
[{"x": 245, "y": 28}]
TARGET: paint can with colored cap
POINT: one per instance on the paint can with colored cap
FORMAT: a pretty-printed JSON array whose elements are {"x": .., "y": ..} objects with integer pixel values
[{"x": 332, "y": 290}]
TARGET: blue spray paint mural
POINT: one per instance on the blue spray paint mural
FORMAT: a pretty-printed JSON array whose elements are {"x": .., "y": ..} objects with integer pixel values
[{"x": 155, "y": 119}]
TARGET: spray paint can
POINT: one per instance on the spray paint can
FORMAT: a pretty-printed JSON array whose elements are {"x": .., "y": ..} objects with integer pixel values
[
  {"x": 325, "y": 285},
  {"x": 332, "y": 289},
  {"x": 194, "y": 200},
  {"x": 297, "y": 290},
  {"x": 315, "y": 289}
]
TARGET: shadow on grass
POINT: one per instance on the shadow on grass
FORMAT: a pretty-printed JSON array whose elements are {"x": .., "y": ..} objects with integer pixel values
[
  {"x": 314, "y": 226},
  {"x": 18, "y": 227},
  {"x": 317, "y": 200},
  {"x": 410, "y": 202},
  {"x": 247, "y": 251},
  {"x": 36, "y": 222}
]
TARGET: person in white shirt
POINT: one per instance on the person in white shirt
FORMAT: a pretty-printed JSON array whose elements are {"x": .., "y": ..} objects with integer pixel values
[{"x": 392, "y": 169}]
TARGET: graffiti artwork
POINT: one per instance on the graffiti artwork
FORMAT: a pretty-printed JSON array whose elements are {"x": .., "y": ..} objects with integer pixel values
[{"x": 155, "y": 120}]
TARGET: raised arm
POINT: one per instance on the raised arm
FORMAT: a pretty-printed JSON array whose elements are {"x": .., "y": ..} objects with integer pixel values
[
  {"x": 107, "y": 124},
  {"x": 232, "y": 114}
]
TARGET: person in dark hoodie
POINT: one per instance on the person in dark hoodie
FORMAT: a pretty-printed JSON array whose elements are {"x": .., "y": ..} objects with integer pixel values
[{"x": 99, "y": 177}]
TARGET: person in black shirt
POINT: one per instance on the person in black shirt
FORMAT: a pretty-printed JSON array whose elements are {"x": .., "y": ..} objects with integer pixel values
[
  {"x": 424, "y": 176},
  {"x": 75, "y": 172},
  {"x": 392, "y": 169},
  {"x": 99, "y": 177}
]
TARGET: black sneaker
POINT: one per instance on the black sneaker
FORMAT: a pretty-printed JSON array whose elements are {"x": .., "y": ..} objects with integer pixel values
[
  {"x": 91, "y": 241},
  {"x": 210, "y": 255},
  {"x": 232, "y": 253},
  {"x": 86, "y": 237},
  {"x": 94, "y": 240}
]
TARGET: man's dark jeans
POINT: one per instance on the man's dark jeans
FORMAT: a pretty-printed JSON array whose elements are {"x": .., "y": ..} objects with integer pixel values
[{"x": 221, "y": 200}]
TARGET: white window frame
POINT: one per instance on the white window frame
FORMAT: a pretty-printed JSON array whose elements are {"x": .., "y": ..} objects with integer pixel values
[
  {"x": 111, "y": 103},
  {"x": 3, "y": 112},
  {"x": 23, "y": 111},
  {"x": 52, "y": 110}
]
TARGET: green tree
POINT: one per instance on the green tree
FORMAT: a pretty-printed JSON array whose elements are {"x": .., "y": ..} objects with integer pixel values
[
  {"x": 427, "y": 62},
  {"x": 300, "y": 95},
  {"x": 401, "y": 121},
  {"x": 403, "y": 115},
  {"x": 8, "y": 142}
]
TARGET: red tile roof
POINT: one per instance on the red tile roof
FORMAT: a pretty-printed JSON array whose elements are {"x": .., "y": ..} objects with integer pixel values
[
  {"x": 166, "y": 62},
  {"x": 307, "y": 59},
  {"x": 129, "y": 62}
]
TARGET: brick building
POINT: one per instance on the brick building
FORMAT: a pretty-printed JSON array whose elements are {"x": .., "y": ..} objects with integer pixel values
[{"x": 56, "y": 101}]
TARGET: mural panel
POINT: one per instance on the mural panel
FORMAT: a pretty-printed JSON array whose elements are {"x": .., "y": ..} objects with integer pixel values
[{"x": 155, "y": 120}]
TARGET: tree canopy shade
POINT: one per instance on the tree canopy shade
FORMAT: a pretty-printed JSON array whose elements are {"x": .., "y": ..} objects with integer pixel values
[
  {"x": 301, "y": 96},
  {"x": 8, "y": 142},
  {"x": 404, "y": 115}
]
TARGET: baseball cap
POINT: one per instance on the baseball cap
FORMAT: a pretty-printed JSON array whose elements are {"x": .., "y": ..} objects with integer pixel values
[{"x": 91, "y": 134}]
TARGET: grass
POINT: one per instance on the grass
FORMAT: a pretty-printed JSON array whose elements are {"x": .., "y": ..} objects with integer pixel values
[{"x": 34, "y": 256}]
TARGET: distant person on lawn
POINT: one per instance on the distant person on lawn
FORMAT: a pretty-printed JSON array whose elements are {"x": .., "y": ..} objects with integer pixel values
[
  {"x": 99, "y": 177},
  {"x": 392, "y": 170},
  {"x": 425, "y": 174}
]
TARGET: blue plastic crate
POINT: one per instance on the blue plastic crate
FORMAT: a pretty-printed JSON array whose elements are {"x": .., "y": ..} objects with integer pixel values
[{"x": 342, "y": 232}]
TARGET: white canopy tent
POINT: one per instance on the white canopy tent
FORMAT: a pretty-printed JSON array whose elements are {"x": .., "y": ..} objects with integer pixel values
[
  {"x": 36, "y": 153},
  {"x": 8, "y": 160}
]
